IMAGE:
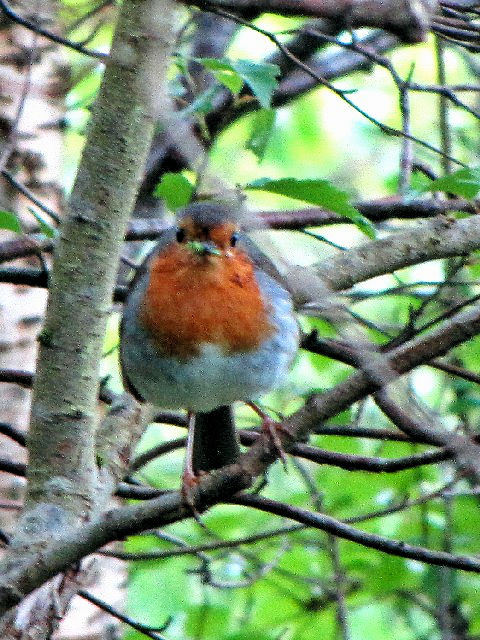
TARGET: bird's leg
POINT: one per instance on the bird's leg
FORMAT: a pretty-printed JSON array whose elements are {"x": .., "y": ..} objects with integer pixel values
[
  {"x": 189, "y": 478},
  {"x": 271, "y": 428}
]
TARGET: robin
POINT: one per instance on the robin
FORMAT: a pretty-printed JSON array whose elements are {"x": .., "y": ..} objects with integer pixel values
[{"x": 206, "y": 323}]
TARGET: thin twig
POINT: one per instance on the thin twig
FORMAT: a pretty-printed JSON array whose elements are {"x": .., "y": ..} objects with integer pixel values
[
  {"x": 340, "y": 582},
  {"x": 340, "y": 529},
  {"x": 29, "y": 195},
  {"x": 8, "y": 11},
  {"x": 445, "y": 133},
  {"x": 406, "y": 151},
  {"x": 387, "y": 129},
  {"x": 209, "y": 546},
  {"x": 402, "y": 506},
  {"x": 150, "y": 632}
]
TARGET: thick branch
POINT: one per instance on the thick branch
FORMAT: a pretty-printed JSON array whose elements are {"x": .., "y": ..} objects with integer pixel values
[
  {"x": 441, "y": 237},
  {"x": 63, "y": 486},
  {"x": 66, "y": 382},
  {"x": 408, "y": 19}
]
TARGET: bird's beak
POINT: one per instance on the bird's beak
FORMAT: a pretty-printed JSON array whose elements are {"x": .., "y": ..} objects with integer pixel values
[{"x": 204, "y": 248}]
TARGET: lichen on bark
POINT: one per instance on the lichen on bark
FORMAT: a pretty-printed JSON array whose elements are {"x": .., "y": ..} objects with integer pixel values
[{"x": 62, "y": 479}]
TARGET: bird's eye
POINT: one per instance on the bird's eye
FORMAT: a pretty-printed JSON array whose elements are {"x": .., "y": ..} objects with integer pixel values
[
  {"x": 180, "y": 234},
  {"x": 234, "y": 239}
]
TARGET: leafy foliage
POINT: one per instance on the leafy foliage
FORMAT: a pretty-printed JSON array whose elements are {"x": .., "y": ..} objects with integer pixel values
[
  {"x": 464, "y": 183},
  {"x": 317, "y": 192},
  {"x": 175, "y": 189},
  {"x": 10, "y": 221},
  {"x": 260, "y": 77}
]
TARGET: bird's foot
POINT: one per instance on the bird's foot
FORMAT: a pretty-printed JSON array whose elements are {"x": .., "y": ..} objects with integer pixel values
[
  {"x": 190, "y": 480},
  {"x": 271, "y": 428}
]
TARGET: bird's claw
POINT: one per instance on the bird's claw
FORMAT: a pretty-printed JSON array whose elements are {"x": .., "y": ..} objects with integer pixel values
[
  {"x": 190, "y": 480},
  {"x": 271, "y": 428}
]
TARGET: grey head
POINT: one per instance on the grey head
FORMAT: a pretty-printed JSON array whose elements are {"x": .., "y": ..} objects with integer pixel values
[{"x": 212, "y": 213}]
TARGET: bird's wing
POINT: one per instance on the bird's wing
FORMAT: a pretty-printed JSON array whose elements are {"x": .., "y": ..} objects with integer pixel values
[{"x": 165, "y": 238}]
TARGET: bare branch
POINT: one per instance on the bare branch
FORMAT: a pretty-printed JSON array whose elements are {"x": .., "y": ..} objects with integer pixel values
[
  {"x": 32, "y": 26},
  {"x": 30, "y": 196},
  {"x": 430, "y": 240},
  {"x": 340, "y": 529},
  {"x": 134, "y": 624},
  {"x": 208, "y": 546},
  {"x": 13, "y": 433},
  {"x": 409, "y": 20}
]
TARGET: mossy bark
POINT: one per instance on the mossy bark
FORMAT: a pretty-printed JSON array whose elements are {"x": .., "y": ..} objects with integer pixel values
[{"x": 61, "y": 443}]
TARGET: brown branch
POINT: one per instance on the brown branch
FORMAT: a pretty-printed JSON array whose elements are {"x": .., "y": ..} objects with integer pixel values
[
  {"x": 137, "y": 492},
  {"x": 401, "y": 506},
  {"x": 115, "y": 524},
  {"x": 15, "y": 376},
  {"x": 350, "y": 462},
  {"x": 21, "y": 188},
  {"x": 144, "y": 458},
  {"x": 15, "y": 468},
  {"x": 149, "y": 632},
  {"x": 150, "y": 229},
  {"x": 330, "y": 66},
  {"x": 353, "y": 431},
  {"x": 375, "y": 211},
  {"x": 409, "y": 20},
  {"x": 345, "y": 353},
  {"x": 11, "y": 432},
  {"x": 168, "y": 508},
  {"x": 118, "y": 523},
  {"x": 123, "y": 490},
  {"x": 384, "y": 128},
  {"x": 208, "y": 546},
  {"x": 463, "y": 450},
  {"x": 337, "y": 528},
  {"x": 23, "y": 247},
  {"x": 32, "y": 26},
  {"x": 441, "y": 237}
]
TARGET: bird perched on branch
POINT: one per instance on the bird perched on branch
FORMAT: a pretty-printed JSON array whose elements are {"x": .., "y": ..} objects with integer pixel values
[{"x": 206, "y": 322}]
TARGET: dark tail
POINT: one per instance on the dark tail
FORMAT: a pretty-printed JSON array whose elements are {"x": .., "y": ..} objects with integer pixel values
[{"x": 215, "y": 441}]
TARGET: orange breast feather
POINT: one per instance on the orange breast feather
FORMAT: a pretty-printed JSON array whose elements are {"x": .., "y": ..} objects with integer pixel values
[{"x": 191, "y": 299}]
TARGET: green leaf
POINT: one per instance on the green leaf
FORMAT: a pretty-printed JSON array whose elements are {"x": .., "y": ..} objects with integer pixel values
[
  {"x": 230, "y": 79},
  {"x": 175, "y": 190},
  {"x": 223, "y": 72},
  {"x": 260, "y": 77},
  {"x": 464, "y": 183},
  {"x": 10, "y": 221},
  {"x": 261, "y": 132},
  {"x": 45, "y": 227},
  {"x": 320, "y": 193}
]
